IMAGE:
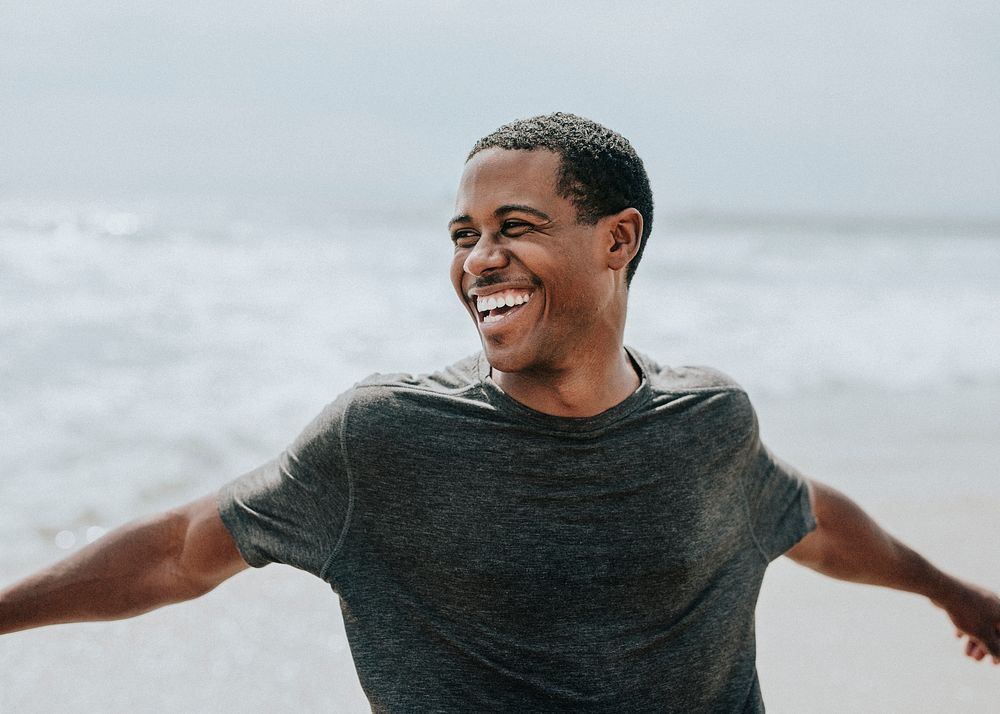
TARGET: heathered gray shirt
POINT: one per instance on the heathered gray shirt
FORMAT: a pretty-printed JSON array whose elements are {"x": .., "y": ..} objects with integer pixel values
[{"x": 492, "y": 558}]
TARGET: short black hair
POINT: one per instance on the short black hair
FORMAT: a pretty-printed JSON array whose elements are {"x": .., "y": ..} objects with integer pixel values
[{"x": 599, "y": 170}]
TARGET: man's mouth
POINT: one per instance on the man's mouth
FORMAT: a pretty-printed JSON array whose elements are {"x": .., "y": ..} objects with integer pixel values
[{"x": 495, "y": 307}]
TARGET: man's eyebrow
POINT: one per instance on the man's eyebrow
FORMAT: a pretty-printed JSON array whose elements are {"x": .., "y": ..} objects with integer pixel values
[
  {"x": 518, "y": 207},
  {"x": 503, "y": 211}
]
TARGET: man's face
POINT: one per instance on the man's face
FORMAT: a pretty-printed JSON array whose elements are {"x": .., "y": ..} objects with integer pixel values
[{"x": 535, "y": 281}]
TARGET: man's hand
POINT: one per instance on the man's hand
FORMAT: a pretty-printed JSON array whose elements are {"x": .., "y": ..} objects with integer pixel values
[
  {"x": 975, "y": 612},
  {"x": 848, "y": 544},
  {"x": 175, "y": 556}
]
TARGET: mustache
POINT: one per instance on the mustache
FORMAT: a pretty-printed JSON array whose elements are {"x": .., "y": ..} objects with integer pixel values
[{"x": 485, "y": 281}]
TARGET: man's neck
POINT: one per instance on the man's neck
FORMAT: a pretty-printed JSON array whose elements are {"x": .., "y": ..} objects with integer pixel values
[{"x": 588, "y": 388}]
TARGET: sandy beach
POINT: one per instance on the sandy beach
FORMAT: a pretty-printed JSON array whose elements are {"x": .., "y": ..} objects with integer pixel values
[
  {"x": 272, "y": 640},
  {"x": 925, "y": 467},
  {"x": 827, "y": 646}
]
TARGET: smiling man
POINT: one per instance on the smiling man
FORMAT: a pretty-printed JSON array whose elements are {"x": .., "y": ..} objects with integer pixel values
[{"x": 556, "y": 524}]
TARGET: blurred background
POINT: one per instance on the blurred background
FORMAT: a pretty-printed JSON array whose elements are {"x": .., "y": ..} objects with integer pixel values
[{"x": 214, "y": 219}]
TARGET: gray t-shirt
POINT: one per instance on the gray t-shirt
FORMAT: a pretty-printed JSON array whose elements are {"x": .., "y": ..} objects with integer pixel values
[{"x": 489, "y": 557}]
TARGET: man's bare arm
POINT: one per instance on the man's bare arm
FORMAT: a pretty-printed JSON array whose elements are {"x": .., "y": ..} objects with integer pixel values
[
  {"x": 174, "y": 556},
  {"x": 848, "y": 544}
]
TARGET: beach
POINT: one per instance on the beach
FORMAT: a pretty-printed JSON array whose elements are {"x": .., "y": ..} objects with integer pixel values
[
  {"x": 147, "y": 364},
  {"x": 926, "y": 470}
]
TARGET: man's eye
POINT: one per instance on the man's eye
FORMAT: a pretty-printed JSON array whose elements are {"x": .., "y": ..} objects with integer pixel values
[
  {"x": 464, "y": 239},
  {"x": 515, "y": 228}
]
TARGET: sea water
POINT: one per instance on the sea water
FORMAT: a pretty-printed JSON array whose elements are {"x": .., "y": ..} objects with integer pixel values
[{"x": 145, "y": 358}]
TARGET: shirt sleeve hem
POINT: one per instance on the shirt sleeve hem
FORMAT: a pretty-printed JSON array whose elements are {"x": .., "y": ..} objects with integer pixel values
[
  {"x": 227, "y": 512},
  {"x": 791, "y": 537}
]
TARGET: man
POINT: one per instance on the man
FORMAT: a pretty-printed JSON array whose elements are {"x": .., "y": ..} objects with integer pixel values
[{"x": 557, "y": 524}]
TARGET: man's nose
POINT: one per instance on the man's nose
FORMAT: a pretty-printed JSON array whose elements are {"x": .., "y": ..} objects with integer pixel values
[{"x": 486, "y": 255}]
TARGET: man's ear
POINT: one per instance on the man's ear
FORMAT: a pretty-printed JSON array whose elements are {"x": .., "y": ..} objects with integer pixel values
[{"x": 624, "y": 237}]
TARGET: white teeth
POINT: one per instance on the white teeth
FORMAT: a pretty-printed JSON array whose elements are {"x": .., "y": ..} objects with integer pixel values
[{"x": 510, "y": 299}]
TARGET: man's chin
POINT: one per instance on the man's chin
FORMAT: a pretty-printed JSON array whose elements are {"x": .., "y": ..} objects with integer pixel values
[
  {"x": 505, "y": 360},
  {"x": 500, "y": 359}
]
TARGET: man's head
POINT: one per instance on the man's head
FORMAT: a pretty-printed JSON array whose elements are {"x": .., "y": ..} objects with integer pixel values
[
  {"x": 543, "y": 250},
  {"x": 599, "y": 170}
]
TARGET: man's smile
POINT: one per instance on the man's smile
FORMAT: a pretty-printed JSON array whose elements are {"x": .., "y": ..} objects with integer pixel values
[{"x": 494, "y": 307}]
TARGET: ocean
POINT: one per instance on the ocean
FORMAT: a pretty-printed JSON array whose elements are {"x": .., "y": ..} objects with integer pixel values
[
  {"x": 146, "y": 357},
  {"x": 164, "y": 355}
]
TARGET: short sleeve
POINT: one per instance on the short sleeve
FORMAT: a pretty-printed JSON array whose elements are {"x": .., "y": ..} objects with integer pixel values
[
  {"x": 293, "y": 509},
  {"x": 777, "y": 500}
]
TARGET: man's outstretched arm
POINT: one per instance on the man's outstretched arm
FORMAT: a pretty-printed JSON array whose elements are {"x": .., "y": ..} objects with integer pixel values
[
  {"x": 174, "y": 556},
  {"x": 848, "y": 544}
]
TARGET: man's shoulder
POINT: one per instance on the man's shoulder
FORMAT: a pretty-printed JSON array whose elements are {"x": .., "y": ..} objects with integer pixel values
[
  {"x": 718, "y": 401},
  {"x": 391, "y": 400},
  {"x": 454, "y": 378},
  {"x": 685, "y": 378}
]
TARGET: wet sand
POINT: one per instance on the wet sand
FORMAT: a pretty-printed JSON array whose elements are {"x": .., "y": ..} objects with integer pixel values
[
  {"x": 925, "y": 466},
  {"x": 828, "y": 646}
]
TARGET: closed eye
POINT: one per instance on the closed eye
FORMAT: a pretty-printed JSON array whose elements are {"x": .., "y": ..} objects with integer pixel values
[
  {"x": 511, "y": 228},
  {"x": 464, "y": 238},
  {"x": 514, "y": 229}
]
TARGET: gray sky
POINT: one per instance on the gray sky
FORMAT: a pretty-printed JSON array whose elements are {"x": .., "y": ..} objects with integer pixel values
[{"x": 883, "y": 108}]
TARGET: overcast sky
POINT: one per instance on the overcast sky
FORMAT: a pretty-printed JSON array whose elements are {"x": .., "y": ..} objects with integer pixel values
[{"x": 881, "y": 108}]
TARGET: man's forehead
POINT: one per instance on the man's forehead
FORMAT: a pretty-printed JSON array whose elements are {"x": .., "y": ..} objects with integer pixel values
[
  {"x": 505, "y": 176},
  {"x": 501, "y": 161}
]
